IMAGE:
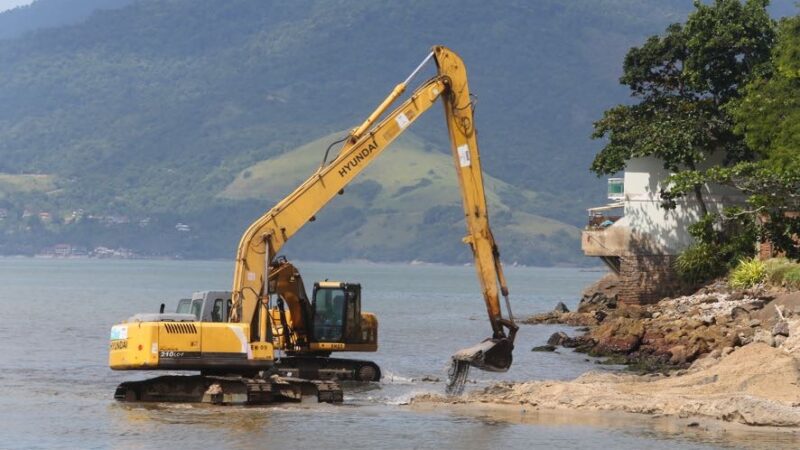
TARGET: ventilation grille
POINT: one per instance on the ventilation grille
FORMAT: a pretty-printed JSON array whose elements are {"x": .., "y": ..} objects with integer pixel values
[{"x": 181, "y": 328}]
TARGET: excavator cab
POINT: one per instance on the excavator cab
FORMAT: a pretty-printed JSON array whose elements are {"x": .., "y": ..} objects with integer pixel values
[{"x": 336, "y": 313}]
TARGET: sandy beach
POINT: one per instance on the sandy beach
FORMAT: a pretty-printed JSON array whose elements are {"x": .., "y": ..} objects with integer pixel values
[{"x": 756, "y": 385}]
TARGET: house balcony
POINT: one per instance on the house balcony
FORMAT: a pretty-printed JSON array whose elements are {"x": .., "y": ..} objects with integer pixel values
[{"x": 605, "y": 235}]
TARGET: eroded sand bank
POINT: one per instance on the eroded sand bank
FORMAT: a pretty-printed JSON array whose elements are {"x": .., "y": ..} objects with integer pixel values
[{"x": 755, "y": 385}]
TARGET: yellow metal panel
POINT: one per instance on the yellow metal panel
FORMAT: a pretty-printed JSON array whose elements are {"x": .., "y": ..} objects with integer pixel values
[
  {"x": 224, "y": 337},
  {"x": 133, "y": 346},
  {"x": 262, "y": 351},
  {"x": 178, "y": 337}
]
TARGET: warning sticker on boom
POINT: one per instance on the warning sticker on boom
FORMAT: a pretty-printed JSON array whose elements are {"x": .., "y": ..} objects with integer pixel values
[
  {"x": 402, "y": 120},
  {"x": 463, "y": 155}
]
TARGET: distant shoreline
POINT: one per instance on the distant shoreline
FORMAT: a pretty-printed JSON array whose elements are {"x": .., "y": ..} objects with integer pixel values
[{"x": 598, "y": 269}]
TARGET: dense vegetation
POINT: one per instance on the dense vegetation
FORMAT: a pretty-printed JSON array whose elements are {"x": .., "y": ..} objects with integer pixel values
[
  {"x": 49, "y": 13},
  {"x": 725, "y": 83},
  {"x": 766, "y": 116}
]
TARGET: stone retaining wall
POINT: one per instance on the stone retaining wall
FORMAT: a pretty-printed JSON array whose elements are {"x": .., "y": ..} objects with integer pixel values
[{"x": 646, "y": 279}]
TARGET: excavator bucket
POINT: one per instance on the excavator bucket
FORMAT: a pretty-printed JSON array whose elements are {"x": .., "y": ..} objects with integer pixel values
[{"x": 493, "y": 355}]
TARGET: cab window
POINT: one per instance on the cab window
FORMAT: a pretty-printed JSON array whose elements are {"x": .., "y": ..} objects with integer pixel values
[
  {"x": 329, "y": 314},
  {"x": 197, "y": 307},
  {"x": 216, "y": 311},
  {"x": 184, "y": 306}
]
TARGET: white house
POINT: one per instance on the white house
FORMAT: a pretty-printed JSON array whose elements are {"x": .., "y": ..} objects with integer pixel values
[{"x": 639, "y": 239}]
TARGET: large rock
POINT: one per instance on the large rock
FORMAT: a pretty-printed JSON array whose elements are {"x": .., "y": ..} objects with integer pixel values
[
  {"x": 781, "y": 329},
  {"x": 618, "y": 336},
  {"x": 544, "y": 348},
  {"x": 740, "y": 313},
  {"x": 603, "y": 294},
  {"x": 679, "y": 354},
  {"x": 580, "y": 343},
  {"x": 762, "y": 335},
  {"x": 558, "y": 338}
]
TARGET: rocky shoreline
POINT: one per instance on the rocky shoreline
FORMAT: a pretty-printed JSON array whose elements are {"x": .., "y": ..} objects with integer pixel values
[
  {"x": 673, "y": 333},
  {"x": 721, "y": 354}
]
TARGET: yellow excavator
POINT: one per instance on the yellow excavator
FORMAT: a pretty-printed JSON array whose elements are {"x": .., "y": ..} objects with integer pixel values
[{"x": 266, "y": 341}]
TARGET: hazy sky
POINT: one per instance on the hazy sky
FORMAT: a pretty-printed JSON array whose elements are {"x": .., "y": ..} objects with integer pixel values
[{"x": 8, "y": 4}]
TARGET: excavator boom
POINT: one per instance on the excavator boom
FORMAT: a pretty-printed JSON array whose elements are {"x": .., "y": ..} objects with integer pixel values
[{"x": 263, "y": 240}]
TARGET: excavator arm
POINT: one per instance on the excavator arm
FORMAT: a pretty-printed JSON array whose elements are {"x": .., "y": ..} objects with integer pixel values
[{"x": 264, "y": 238}]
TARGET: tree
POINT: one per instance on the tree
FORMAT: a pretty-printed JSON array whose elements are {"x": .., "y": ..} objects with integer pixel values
[
  {"x": 684, "y": 79},
  {"x": 767, "y": 115}
]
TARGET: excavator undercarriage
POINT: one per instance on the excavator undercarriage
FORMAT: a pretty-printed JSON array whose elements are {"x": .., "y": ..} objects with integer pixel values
[{"x": 228, "y": 390}]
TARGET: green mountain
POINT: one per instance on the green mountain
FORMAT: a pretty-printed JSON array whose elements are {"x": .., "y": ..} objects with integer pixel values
[
  {"x": 147, "y": 113},
  {"x": 406, "y": 205},
  {"x": 51, "y": 13}
]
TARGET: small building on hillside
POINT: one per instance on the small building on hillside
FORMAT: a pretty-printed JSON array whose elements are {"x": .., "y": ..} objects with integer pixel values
[{"x": 637, "y": 238}]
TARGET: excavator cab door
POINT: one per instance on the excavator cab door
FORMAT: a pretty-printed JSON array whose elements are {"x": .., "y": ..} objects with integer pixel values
[{"x": 336, "y": 309}]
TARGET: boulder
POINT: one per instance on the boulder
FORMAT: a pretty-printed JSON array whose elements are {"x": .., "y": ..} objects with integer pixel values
[
  {"x": 561, "y": 308},
  {"x": 757, "y": 304},
  {"x": 558, "y": 339},
  {"x": 600, "y": 316},
  {"x": 580, "y": 343},
  {"x": 680, "y": 354},
  {"x": 621, "y": 335},
  {"x": 740, "y": 313},
  {"x": 603, "y": 294},
  {"x": 544, "y": 348},
  {"x": 781, "y": 328},
  {"x": 762, "y": 335},
  {"x": 708, "y": 320}
]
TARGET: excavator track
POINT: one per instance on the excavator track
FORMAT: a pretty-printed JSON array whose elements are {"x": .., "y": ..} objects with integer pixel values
[
  {"x": 323, "y": 368},
  {"x": 228, "y": 390}
]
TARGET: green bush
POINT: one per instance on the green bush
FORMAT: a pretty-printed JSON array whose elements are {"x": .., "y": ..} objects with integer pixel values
[
  {"x": 747, "y": 273},
  {"x": 776, "y": 269},
  {"x": 698, "y": 263},
  {"x": 791, "y": 278},
  {"x": 720, "y": 242},
  {"x": 782, "y": 272}
]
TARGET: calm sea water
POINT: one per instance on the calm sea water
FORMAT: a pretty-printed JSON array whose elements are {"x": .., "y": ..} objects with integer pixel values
[{"x": 56, "y": 390}]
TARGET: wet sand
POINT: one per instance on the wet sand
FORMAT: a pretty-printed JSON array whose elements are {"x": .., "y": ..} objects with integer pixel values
[{"x": 692, "y": 429}]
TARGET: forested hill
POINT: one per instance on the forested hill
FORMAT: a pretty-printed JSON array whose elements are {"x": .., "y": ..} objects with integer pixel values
[
  {"x": 152, "y": 109},
  {"x": 51, "y": 13}
]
